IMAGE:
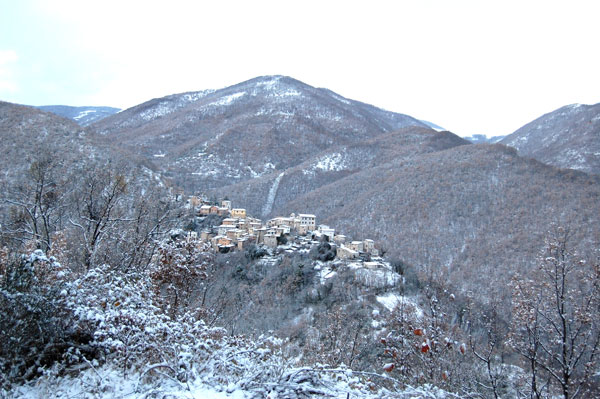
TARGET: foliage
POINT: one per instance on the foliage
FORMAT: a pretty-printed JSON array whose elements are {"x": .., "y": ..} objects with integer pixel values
[{"x": 323, "y": 251}]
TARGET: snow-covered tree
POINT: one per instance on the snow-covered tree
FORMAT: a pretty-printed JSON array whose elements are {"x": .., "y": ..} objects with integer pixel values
[{"x": 556, "y": 322}]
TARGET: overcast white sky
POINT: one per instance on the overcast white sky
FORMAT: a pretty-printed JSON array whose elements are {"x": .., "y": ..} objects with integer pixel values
[{"x": 470, "y": 66}]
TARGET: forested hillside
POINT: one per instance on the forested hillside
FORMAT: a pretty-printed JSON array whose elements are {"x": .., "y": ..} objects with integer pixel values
[{"x": 125, "y": 272}]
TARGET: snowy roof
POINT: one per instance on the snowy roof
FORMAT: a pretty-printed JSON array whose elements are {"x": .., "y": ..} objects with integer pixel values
[
  {"x": 350, "y": 250},
  {"x": 306, "y": 215}
]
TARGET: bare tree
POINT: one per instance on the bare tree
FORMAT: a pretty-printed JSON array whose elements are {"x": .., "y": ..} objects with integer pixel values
[
  {"x": 556, "y": 321},
  {"x": 98, "y": 210},
  {"x": 36, "y": 203},
  {"x": 489, "y": 348}
]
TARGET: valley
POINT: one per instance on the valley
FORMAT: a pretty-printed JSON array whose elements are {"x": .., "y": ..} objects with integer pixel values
[{"x": 274, "y": 238}]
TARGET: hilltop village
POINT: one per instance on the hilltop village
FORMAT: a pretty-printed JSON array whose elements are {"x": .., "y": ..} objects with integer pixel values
[{"x": 238, "y": 230}]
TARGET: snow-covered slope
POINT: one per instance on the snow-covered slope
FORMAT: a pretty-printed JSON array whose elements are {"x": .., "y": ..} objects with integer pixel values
[
  {"x": 82, "y": 115},
  {"x": 267, "y": 124},
  {"x": 334, "y": 163},
  {"x": 433, "y": 126},
  {"x": 567, "y": 138},
  {"x": 482, "y": 138}
]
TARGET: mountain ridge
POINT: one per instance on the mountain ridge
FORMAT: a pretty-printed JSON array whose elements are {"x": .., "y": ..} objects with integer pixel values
[
  {"x": 246, "y": 130},
  {"x": 568, "y": 137},
  {"x": 83, "y": 115}
]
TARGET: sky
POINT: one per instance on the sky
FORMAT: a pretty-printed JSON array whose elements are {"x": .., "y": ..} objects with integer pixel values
[{"x": 472, "y": 67}]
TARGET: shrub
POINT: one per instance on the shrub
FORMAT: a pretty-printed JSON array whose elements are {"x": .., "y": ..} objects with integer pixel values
[
  {"x": 36, "y": 329},
  {"x": 323, "y": 252}
]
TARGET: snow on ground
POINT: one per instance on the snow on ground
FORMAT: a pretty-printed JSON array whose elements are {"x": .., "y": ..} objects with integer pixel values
[
  {"x": 269, "y": 84},
  {"x": 271, "y": 196},
  {"x": 226, "y": 100},
  {"x": 161, "y": 109},
  {"x": 109, "y": 383},
  {"x": 329, "y": 162},
  {"x": 169, "y": 105},
  {"x": 193, "y": 97},
  {"x": 84, "y": 114},
  {"x": 340, "y": 98},
  {"x": 104, "y": 383},
  {"x": 379, "y": 278},
  {"x": 289, "y": 92},
  {"x": 325, "y": 272},
  {"x": 573, "y": 159},
  {"x": 391, "y": 299}
]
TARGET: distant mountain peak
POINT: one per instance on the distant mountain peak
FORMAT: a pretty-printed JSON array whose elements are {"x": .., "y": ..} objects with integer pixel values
[
  {"x": 567, "y": 138},
  {"x": 482, "y": 138},
  {"x": 84, "y": 116},
  {"x": 246, "y": 130}
]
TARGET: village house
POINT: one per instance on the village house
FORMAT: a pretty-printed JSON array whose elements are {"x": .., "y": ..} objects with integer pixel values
[
  {"x": 281, "y": 221},
  {"x": 204, "y": 210},
  {"x": 245, "y": 242},
  {"x": 238, "y": 230},
  {"x": 327, "y": 231},
  {"x": 270, "y": 239},
  {"x": 230, "y": 222},
  {"x": 224, "y": 241},
  {"x": 238, "y": 213},
  {"x": 356, "y": 246},
  {"x": 344, "y": 252},
  {"x": 220, "y": 241},
  {"x": 339, "y": 239},
  {"x": 303, "y": 223},
  {"x": 281, "y": 230},
  {"x": 253, "y": 226},
  {"x": 205, "y": 235},
  {"x": 250, "y": 219},
  {"x": 224, "y": 228},
  {"x": 260, "y": 235},
  {"x": 235, "y": 234}
]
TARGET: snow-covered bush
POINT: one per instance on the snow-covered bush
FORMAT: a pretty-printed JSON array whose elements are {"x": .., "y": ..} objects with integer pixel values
[
  {"x": 178, "y": 270},
  {"x": 35, "y": 330}
]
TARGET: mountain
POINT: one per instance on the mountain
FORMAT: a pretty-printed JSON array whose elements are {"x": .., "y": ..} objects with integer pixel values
[
  {"x": 482, "y": 138},
  {"x": 82, "y": 115},
  {"x": 268, "y": 194},
  {"x": 567, "y": 138},
  {"x": 210, "y": 139},
  {"x": 433, "y": 126},
  {"x": 477, "y": 213},
  {"x": 275, "y": 145},
  {"x": 27, "y": 132}
]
